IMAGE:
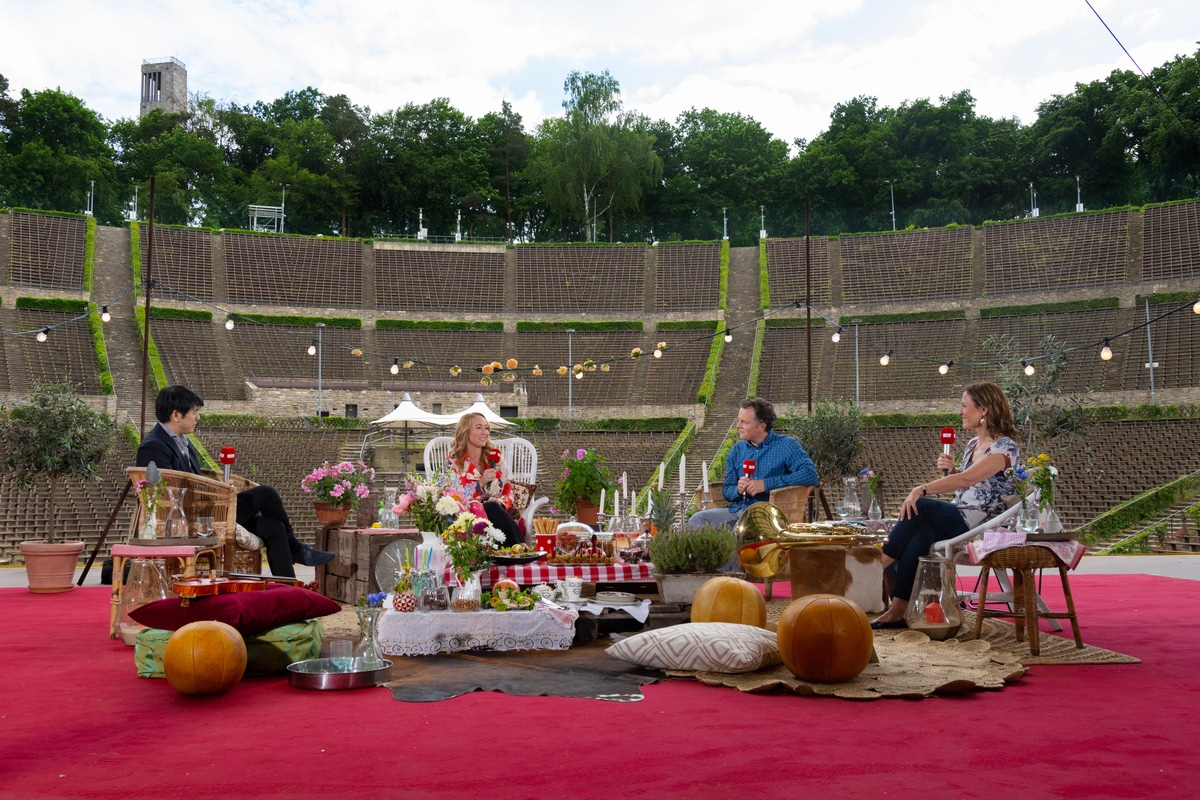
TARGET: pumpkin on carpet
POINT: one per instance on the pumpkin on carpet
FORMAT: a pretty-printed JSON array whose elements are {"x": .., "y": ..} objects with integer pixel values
[
  {"x": 204, "y": 658},
  {"x": 726, "y": 599},
  {"x": 824, "y": 638}
]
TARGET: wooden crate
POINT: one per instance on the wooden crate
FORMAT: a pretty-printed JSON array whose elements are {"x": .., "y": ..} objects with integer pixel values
[{"x": 351, "y": 573}]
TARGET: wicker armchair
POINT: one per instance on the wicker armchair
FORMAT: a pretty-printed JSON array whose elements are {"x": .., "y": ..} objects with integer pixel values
[
  {"x": 205, "y": 497},
  {"x": 791, "y": 500}
]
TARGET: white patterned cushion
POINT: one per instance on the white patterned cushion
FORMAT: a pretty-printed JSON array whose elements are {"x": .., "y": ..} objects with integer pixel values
[
  {"x": 707, "y": 646},
  {"x": 246, "y": 540}
]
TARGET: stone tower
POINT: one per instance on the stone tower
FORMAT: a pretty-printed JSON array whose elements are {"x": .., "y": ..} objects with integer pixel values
[{"x": 164, "y": 85}]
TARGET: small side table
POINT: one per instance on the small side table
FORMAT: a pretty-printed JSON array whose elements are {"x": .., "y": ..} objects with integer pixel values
[
  {"x": 855, "y": 572},
  {"x": 187, "y": 553}
]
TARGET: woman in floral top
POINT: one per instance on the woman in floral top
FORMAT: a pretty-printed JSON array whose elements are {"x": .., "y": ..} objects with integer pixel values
[
  {"x": 479, "y": 465},
  {"x": 980, "y": 487}
]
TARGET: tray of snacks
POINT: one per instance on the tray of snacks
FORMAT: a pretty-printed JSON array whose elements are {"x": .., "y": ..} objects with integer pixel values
[
  {"x": 517, "y": 554},
  {"x": 580, "y": 558}
]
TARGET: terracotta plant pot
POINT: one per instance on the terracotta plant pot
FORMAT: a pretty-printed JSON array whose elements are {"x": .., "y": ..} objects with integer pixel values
[
  {"x": 51, "y": 567},
  {"x": 587, "y": 513},
  {"x": 329, "y": 514}
]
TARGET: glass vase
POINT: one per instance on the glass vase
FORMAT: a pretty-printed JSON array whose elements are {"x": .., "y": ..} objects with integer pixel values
[
  {"x": 147, "y": 582},
  {"x": 874, "y": 513},
  {"x": 1048, "y": 521},
  {"x": 1027, "y": 522},
  {"x": 367, "y": 654},
  {"x": 467, "y": 595},
  {"x": 933, "y": 608},
  {"x": 177, "y": 521},
  {"x": 149, "y": 529}
]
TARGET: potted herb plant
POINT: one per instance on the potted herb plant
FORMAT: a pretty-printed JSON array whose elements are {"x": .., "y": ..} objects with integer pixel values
[
  {"x": 684, "y": 560},
  {"x": 583, "y": 477},
  {"x": 54, "y": 435}
]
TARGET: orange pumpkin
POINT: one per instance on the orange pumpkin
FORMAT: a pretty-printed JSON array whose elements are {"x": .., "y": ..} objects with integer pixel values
[
  {"x": 729, "y": 600},
  {"x": 824, "y": 638},
  {"x": 204, "y": 658}
]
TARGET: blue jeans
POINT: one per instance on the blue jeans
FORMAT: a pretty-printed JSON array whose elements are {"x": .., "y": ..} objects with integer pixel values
[{"x": 910, "y": 540}]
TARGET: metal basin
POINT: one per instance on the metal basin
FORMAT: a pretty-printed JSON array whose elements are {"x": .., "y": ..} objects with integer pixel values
[{"x": 321, "y": 674}]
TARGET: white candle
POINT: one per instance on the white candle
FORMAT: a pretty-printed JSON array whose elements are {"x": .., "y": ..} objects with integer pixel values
[
  {"x": 602, "y": 493},
  {"x": 682, "y": 471},
  {"x": 616, "y": 504},
  {"x": 662, "y": 474},
  {"x": 649, "y": 504},
  {"x": 625, "y": 486},
  {"x": 704, "y": 478}
]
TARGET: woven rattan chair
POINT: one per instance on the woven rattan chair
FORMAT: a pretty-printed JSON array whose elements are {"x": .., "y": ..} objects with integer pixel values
[
  {"x": 791, "y": 500},
  {"x": 205, "y": 497},
  {"x": 1026, "y": 610}
]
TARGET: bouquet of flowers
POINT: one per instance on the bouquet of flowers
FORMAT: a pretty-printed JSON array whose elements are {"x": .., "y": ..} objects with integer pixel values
[
  {"x": 1020, "y": 481},
  {"x": 470, "y": 542},
  {"x": 339, "y": 484},
  {"x": 151, "y": 495},
  {"x": 1041, "y": 477},
  {"x": 872, "y": 478},
  {"x": 431, "y": 501},
  {"x": 584, "y": 475},
  {"x": 372, "y": 600}
]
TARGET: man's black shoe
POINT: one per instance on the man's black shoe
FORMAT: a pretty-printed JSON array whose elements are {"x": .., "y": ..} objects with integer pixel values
[{"x": 312, "y": 557}]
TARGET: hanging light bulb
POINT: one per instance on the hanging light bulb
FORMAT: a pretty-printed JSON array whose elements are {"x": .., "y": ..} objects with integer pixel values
[
  {"x": 729, "y": 333},
  {"x": 837, "y": 335},
  {"x": 1196, "y": 307},
  {"x": 1106, "y": 352},
  {"x": 104, "y": 315},
  {"x": 886, "y": 358},
  {"x": 229, "y": 324},
  {"x": 312, "y": 348},
  {"x": 944, "y": 368},
  {"x": 43, "y": 334},
  {"x": 1029, "y": 370},
  {"x": 657, "y": 353},
  {"x": 579, "y": 375},
  {"x": 395, "y": 368}
]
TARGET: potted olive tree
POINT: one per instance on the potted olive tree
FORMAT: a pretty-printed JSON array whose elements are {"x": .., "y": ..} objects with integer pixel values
[{"x": 54, "y": 435}]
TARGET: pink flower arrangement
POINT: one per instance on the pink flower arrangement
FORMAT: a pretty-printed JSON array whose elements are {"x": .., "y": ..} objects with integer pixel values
[{"x": 339, "y": 484}]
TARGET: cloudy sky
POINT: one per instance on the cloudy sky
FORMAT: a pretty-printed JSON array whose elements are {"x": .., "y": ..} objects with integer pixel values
[{"x": 785, "y": 64}]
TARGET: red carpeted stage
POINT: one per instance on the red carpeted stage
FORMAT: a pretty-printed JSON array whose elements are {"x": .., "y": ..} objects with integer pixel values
[{"x": 77, "y": 722}]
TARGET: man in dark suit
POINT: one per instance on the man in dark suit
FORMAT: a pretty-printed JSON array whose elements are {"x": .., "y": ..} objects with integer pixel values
[{"x": 259, "y": 509}]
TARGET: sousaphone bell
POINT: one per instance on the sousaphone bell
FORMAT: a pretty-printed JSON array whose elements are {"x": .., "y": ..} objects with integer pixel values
[{"x": 764, "y": 537}]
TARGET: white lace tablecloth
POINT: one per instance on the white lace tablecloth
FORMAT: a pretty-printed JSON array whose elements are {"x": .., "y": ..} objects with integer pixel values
[{"x": 424, "y": 633}]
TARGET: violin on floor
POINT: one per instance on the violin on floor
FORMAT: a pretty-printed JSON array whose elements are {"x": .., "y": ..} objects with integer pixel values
[{"x": 194, "y": 587}]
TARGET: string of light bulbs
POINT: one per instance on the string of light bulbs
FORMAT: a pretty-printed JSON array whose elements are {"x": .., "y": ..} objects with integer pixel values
[{"x": 42, "y": 334}]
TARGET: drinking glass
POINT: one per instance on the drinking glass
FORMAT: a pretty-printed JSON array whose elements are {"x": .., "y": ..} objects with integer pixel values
[
  {"x": 205, "y": 527},
  {"x": 341, "y": 653}
]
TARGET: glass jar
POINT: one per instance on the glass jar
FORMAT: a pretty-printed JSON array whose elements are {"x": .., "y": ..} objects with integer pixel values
[
  {"x": 147, "y": 582},
  {"x": 467, "y": 596},
  {"x": 177, "y": 521},
  {"x": 933, "y": 609}
]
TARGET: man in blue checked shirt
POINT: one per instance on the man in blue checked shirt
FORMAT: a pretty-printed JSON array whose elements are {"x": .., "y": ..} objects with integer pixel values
[{"x": 779, "y": 461}]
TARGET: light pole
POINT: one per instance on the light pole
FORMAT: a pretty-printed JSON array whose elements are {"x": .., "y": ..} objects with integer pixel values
[
  {"x": 762, "y": 222},
  {"x": 857, "y": 399},
  {"x": 892, "y": 191},
  {"x": 724, "y": 225},
  {"x": 283, "y": 205},
  {"x": 317, "y": 348},
  {"x": 1150, "y": 362},
  {"x": 1078, "y": 197},
  {"x": 570, "y": 370}
]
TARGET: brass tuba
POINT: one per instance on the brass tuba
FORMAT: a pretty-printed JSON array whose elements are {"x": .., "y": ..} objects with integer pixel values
[{"x": 764, "y": 537}]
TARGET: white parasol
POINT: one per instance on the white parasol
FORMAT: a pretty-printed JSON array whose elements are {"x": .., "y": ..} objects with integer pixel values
[
  {"x": 480, "y": 407},
  {"x": 409, "y": 415}
]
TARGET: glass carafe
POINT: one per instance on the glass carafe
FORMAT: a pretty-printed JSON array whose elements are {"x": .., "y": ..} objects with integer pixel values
[
  {"x": 933, "y": 609},
  {"x": 177, "y": 521},
  {"x": 147, "y": 582},
  {"x": 850, "y": 507},
  {"x": 367, "y": 654}
]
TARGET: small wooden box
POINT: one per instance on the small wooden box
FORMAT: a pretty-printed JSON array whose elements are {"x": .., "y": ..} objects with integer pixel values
[
  {"x": 351, "y": 573},
  {"x": 853, "y": 572}
]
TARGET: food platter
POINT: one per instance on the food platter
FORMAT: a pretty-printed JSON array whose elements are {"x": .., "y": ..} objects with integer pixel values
[{"x": 526, "y": 558}]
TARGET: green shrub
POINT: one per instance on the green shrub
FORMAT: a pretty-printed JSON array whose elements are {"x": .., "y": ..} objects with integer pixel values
[
  {"x": 679, "y": 552},
  {"x": 831, "y": 437},
  {"x": 385, "y": 324}
]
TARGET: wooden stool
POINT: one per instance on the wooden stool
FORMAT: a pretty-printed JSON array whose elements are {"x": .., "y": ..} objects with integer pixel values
[
  {"x": 121, "y": 552},
  {"x": 1025, "y": 613}
]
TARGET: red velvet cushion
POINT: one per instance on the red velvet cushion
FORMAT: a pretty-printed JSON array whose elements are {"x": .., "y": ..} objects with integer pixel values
[{"x": 248, "y": 612}]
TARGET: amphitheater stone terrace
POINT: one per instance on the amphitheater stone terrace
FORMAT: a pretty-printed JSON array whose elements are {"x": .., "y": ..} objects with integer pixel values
[{"x": 930, "y": 296}]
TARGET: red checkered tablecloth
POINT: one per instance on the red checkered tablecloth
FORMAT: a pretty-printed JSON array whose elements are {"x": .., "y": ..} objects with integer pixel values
[{"x": 542, "y": 572}]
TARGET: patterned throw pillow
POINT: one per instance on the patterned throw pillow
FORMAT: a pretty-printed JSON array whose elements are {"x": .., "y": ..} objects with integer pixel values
[
  {"x": 521, "y": 495},
  {"x": 707, "y": 646}
]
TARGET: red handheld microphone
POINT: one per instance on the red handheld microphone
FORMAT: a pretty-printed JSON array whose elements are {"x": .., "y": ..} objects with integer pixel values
[
  {"x": 947, "y": 440},
  {"x": 748, "y": 469},
  {"x": 226, "y": 458}
]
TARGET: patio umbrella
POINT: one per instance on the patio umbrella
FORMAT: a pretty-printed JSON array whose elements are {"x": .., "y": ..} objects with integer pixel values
[
  {"x": 480, "y": 407},
  {"x": 408, "y": 415}
]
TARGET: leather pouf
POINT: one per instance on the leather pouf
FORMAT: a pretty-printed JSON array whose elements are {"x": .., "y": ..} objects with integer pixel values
[
  {"x": 729, "y": 600},
  {"x": 204, "y": 658},
  {"x": 824, "y": 638}
]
